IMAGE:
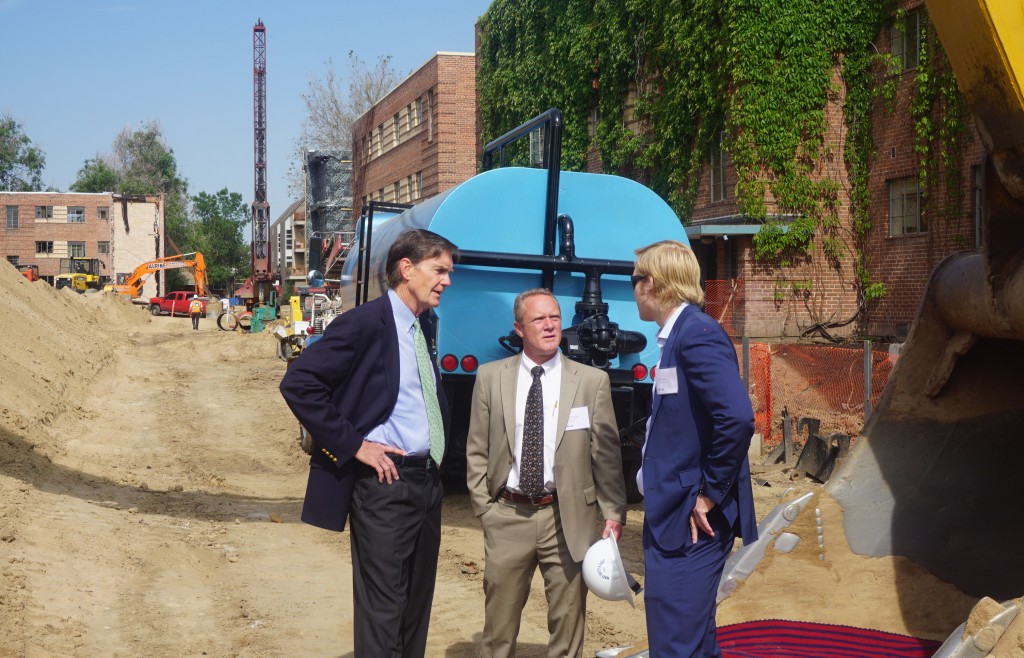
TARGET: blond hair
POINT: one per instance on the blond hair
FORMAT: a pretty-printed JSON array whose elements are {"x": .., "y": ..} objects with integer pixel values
[{"x": 674, "y": 270}]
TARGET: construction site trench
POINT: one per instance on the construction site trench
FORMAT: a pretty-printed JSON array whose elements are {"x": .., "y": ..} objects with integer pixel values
[{"x": 150, "y": 486}]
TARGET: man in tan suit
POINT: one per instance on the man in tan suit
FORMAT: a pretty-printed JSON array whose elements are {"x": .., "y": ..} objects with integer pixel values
[{"x": 543, "y": 458}]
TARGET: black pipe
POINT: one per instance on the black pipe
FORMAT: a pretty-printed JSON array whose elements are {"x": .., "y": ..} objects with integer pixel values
[
  {"x": 540, "y": 262},
  {"x": 553, "y": 162}
]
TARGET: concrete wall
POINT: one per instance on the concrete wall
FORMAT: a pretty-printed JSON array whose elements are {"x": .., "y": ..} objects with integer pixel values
[{"x": 137, "y": 225}]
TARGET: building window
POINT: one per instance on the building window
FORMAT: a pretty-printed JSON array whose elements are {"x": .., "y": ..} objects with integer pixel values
[
  {"x": 44, "y": 212},
  {"x": 76, "y": 250},
  {"x": 430, "y": 115},
  {"x": 719, "y": 161},
  {"x": 380, "y": 139},
  {"x": 102, "y": 247},
  {"x": 103, "y": 213},
  {"x": 44, "y": 247},
  {"x": 414, "y": 113},
  {"x": 13, "y": 260},
  {"x": 906, "y": 39},
  {"x": 537, "y": 147},
  {"x": 397, "y": 189},
  {"x": 12, "y": 217},
  {"x": 905, "y": 207},
  {"x": 394, "y": 137},
  {"x": 76, "y": 215},
  {"x": 593, "y": 120},
  {"x": 419, "y": 185}
]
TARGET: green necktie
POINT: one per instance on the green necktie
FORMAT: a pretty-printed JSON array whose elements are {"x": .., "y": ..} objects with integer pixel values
[{"x": 434, "y": 422}]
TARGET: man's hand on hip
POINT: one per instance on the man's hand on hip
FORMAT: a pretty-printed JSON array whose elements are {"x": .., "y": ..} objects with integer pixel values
[
  {"x": 375, "y": 456},
  {"x": 699, "y": 517}
]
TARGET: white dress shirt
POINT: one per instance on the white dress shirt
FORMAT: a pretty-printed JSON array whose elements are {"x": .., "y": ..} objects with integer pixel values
[
  {"x": 662, "y": 338},
  {"x": 551, "y": 382}
]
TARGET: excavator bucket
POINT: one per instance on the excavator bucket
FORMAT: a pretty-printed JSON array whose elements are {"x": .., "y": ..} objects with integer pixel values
[{"x": 936, "y": 475}]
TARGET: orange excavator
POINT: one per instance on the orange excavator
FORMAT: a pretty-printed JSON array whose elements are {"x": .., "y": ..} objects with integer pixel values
[{"x": 131, "y": 287}]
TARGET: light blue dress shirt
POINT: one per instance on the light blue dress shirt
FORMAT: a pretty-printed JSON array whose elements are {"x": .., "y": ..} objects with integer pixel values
[{"x": 407, "y": 426}]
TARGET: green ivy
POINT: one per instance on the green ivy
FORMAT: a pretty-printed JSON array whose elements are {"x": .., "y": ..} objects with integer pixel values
[{"x": 764, "y": 71}]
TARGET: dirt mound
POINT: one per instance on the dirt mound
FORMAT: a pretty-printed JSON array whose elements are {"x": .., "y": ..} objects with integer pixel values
[{"x": 56, "y": 341}]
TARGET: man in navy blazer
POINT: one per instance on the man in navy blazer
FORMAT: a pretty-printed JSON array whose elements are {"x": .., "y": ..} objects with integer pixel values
[
  {"x": 695, "y": 476},
  {"x": 359, "y": 393}
]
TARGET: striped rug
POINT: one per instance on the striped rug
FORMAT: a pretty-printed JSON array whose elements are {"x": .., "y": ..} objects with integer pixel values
[{"x": 794, "y": 639}]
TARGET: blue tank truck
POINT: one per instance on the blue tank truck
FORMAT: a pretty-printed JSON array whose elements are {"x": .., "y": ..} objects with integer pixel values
[{"x": 518, "y": 228}]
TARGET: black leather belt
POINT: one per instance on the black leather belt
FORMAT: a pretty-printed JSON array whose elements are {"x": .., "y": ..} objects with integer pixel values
[
  {"x": 522, "y": 499},
  {"x": 412, "y": 461}
]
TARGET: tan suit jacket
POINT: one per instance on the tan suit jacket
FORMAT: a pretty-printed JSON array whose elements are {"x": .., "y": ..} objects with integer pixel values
[{"x": 588, "y": 462}]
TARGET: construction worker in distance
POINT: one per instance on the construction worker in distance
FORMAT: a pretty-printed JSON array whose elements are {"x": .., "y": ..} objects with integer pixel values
[{"x": 195, "y": 309}]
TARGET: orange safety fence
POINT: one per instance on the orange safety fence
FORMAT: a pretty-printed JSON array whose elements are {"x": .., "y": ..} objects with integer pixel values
[
  {"x": 811, "y": 381},
  {"x": 722, "y": 298}
]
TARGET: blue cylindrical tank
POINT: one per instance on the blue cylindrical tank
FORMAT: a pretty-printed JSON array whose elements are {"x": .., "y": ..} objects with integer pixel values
[{"x": 503, "y": 211}]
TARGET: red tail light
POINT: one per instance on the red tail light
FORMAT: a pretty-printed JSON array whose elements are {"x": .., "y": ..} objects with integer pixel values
[
  {"x": 449, "y": 362},
  {"x": 639, "y": 371},
  {"x": 469, "y": 363},
  {"x": 654, "y": 372}
]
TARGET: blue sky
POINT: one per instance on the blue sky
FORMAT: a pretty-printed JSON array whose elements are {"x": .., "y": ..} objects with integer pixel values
[{"x": 74, "y": 73}]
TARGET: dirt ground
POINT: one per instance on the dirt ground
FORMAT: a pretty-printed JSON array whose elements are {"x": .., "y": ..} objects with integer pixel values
[{"x": 150, "y": 487}]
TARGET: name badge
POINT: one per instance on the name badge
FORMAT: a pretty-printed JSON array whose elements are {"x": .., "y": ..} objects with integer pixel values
[
  {"x": 665, "y": 382},
  {"x": 579, "y": 419}
]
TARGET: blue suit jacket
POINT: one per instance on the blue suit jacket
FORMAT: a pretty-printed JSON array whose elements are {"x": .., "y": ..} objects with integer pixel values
[
  {"x": 699, "y": 436},
  {"x": 340, "y": 388}
]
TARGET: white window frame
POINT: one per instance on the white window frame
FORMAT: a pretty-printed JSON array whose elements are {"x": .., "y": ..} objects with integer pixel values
[
  {"x": 905, "y": 213},
  {"x": 906, "y": 39},
  {"x": 44, "y": 212},
  {"x": 76, "y": 214},
  {"x": 719, "y": 162},
  {"x": 12, "y": 218},
  {"x": 76, "y": 249}
]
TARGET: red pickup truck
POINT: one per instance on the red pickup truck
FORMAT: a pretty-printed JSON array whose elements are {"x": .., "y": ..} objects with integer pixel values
[{"x": 175, "y": 303}]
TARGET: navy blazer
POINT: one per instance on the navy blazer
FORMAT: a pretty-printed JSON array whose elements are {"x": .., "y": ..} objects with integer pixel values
[
  {"x": 699, "y": 436},
  {"x": 341, "y": 387}
]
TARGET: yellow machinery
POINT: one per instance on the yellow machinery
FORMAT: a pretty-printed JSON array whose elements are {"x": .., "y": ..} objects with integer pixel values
[
  {"x": 936, "y": 475},
  {"x": 79, "y": 274},
  {"x": 131, "y": 287}
]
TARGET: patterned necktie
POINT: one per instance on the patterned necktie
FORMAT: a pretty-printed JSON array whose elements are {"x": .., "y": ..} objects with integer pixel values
[
  {"x": 531, "y": 460},
  {"x": 429, "y": 389}
]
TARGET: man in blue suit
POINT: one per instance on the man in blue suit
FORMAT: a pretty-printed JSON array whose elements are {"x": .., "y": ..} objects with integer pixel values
[
  {"x": 695, "y": 477},
  {"x": 371, "y": 399}
]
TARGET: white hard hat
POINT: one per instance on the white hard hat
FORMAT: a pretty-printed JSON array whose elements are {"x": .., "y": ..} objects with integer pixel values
[{"x": 604, "y": 574}]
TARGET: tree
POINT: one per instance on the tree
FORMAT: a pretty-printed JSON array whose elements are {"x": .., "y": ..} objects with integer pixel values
[
  {"x": 96, "y": 176},
  {"x": 21, "y": 162},
  {"x": 331, "y": 113},
  {"x": 148, "y": 166},
  {"x": 141, "y": 163},
  {"x": 216, "y": 228}
]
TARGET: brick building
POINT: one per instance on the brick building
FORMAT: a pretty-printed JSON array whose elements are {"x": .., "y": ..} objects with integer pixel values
[
  {"x": 43, "y": 227},
  {"x": 421, "y": 138},
  {"x": 288, "y": 245},
  {"x": 911, "y": 229}
]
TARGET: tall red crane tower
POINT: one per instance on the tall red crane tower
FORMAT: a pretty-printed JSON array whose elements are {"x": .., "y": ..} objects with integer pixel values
[{"x": 261, "y": 275}]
